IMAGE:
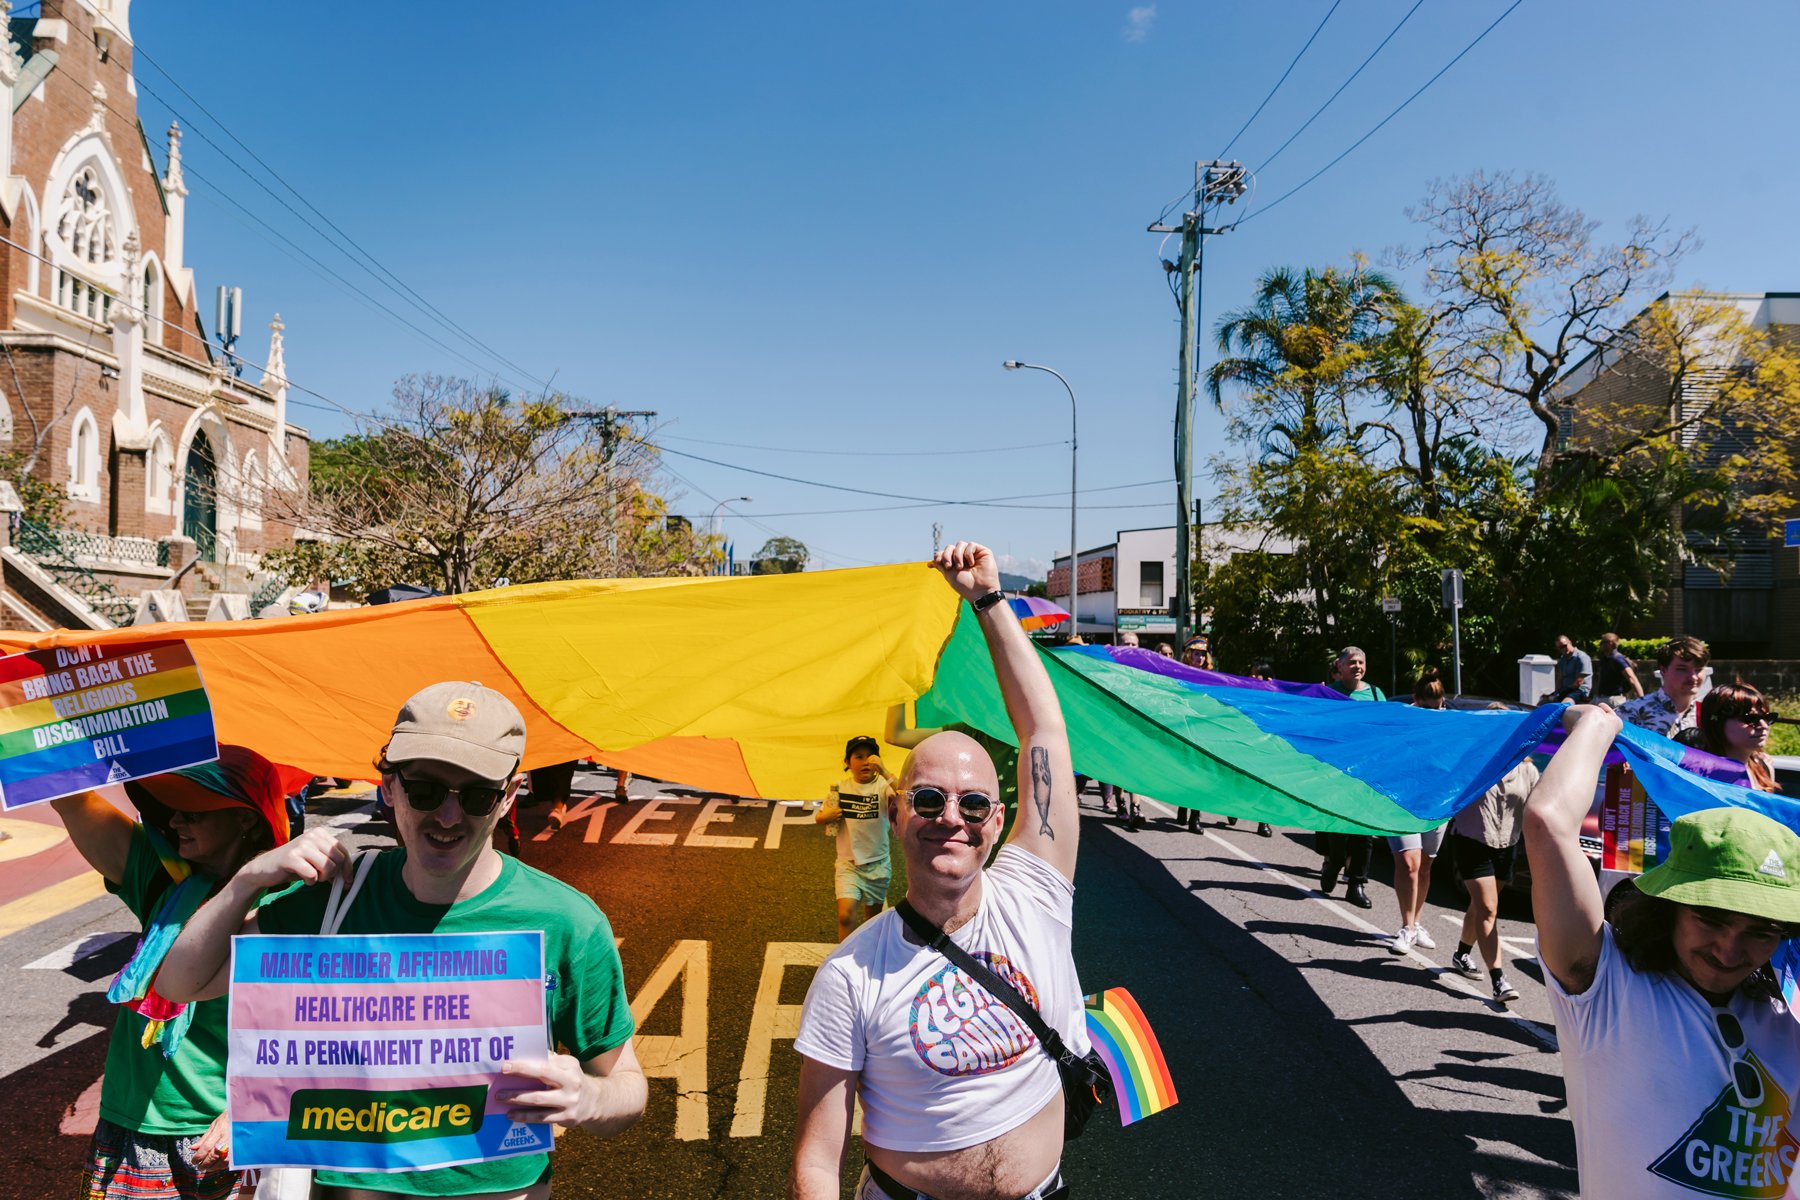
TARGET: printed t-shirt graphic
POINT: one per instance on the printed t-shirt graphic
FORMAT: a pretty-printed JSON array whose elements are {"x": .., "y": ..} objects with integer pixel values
[
  {"x": 1734, "y": 1151},
  {"x": 960, "y": 1028},
  {"x": 862, "y": 835}
]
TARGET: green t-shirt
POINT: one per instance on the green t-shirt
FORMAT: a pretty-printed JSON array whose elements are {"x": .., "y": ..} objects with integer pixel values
[
  {"x": 171, "y": 1097},
  {"x": 589, "y": 1012}
]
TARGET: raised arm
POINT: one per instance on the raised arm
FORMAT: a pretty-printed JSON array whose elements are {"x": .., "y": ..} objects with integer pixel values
[
  {"x": 1048, "y": 824},
  {"x": 101, "y": 833},
  {"x": 1564, "y": 893},
  {"x": 196, "y": 965}
]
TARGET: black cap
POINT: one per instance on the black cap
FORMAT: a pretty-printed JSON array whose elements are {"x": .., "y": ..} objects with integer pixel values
[{"x": 863, "y": 742}]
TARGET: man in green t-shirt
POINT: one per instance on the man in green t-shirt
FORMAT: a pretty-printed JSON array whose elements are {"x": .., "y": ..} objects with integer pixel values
[
  {"x": 450, "y": 771},
  {"x": 1349, "y": 852}
]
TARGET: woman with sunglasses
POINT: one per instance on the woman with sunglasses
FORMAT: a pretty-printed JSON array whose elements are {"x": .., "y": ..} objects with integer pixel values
[
  {"x": 160, "y": 1131},
  {"x": 1681, "y": 1059},
  {"x": 1734, "y": 723}
]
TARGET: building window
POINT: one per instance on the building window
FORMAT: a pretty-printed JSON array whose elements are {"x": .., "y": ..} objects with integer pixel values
[
  {"x": 83, "y": 298},
  {"x": 84, "y": 458},
  {"x": 153, "y": 299},
  {"x": 86, "y": 227},
  {"x": 1150, "y": 585},
  {"x": 159, "y": 476}
]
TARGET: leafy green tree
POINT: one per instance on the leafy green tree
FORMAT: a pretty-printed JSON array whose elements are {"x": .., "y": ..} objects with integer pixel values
[
  {"x": 779, "y": 556},
  {"x": 463, "y": 486}
]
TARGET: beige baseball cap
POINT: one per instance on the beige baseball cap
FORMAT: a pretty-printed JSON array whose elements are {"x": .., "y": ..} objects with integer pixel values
[{"x": 464, "y": 724}]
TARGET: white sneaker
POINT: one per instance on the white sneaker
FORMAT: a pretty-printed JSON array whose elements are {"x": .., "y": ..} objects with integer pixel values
[
  {"x": 1504, "y": 991},
  {"x": 1422, "y": 939},
  {"x": 1402, "y": 941}
]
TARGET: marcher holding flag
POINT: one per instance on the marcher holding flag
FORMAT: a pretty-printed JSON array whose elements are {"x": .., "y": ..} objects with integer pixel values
[
  {"x": 161, "y": 1131},
  {"x": 1681, "y": 1058}
]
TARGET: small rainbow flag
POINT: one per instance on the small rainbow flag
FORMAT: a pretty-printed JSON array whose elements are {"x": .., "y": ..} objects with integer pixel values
[{"x": 1126, "y": 1043}]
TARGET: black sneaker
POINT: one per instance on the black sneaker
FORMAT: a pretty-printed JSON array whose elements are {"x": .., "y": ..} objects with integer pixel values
[{"x": 1462, "y": 964}]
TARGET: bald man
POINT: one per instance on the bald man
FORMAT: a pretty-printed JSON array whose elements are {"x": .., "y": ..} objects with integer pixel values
[{"x": 959, "y": 1098}]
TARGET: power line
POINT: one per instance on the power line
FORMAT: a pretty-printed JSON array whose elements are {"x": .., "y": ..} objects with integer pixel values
[
  {"x": 839, "y": 452},
  {"x": 372, "y": 301},
  {"x": 329, "y": 405},
  {"x": 1403, "y": 104},
  {"x": 1282, "y": 80},
  {"x": 921, "y": 501},
  {"x": 1305, "y": 125},
  {"x": 372, "y": 265}
]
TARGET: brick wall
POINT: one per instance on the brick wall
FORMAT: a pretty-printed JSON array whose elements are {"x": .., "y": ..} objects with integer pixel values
[{"x": 1096, "y": 576}]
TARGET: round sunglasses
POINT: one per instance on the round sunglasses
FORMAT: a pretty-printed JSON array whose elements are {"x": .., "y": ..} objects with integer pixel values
[{"x": 929, "y": 802}]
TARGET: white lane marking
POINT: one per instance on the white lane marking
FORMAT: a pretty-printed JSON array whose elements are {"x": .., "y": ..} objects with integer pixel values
[
  {"x": 75, "y": 951},
  {"x": 1443, "y": 975}
]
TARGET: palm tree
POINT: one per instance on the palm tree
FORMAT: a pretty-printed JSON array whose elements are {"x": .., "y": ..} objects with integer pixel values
[{"x": 1302, "y": 348}]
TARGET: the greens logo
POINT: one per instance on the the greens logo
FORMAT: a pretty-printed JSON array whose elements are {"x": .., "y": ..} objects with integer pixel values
[{"x": 345, "y": 1115}]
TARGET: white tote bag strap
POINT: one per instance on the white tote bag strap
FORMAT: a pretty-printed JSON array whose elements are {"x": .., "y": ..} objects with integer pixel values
[{"x": 337, "y": 905}]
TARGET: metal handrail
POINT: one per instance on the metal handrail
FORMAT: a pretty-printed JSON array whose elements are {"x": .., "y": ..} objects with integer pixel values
[{"x": 45, "y": 547}]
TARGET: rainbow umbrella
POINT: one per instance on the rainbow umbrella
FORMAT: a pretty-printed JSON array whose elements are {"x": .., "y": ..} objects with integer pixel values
[{"x": 1036, "y": 613}]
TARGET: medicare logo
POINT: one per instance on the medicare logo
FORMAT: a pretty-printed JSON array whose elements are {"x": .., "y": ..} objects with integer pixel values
[{"x": 416, "y": 1114}]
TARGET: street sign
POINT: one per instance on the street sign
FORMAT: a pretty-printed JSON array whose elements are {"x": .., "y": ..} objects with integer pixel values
[
  {"x": 1390, "y": 604},
  {"x": 1453, "y": 592},
  {"x": 1792, "y": 527}
]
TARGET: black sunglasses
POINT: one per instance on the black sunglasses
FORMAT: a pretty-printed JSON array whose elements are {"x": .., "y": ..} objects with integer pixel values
[
  {"x": 428, "y": 795},
  {"x": 929, "y": 802},
  {"x": 1746, "y": 1080},
  {"x": 1760, "y": 718}
]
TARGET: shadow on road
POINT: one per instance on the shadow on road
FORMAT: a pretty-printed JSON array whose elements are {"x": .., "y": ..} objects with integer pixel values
[{"x": 1279, "y": 1096}]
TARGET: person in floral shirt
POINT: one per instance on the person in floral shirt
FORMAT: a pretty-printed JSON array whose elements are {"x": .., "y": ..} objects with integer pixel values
[{"x": 1670, "y": 709}]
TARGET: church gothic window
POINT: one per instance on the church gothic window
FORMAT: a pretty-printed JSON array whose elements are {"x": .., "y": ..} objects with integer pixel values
[
  {"x": 84, "y": 458},
  {"x": 86, "y": 230}
]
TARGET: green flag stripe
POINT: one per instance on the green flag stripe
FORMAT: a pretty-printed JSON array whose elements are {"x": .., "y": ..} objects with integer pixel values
[{"x": 1153, "y": 736}]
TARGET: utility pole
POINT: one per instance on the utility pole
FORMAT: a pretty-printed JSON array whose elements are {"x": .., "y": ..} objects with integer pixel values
[
  {"x": 1214, "y": 183},
  {"x": 611, "y": 420}
]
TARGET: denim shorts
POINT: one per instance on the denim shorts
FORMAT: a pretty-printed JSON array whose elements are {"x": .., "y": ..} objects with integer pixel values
[{"x": 864, "y": 882}]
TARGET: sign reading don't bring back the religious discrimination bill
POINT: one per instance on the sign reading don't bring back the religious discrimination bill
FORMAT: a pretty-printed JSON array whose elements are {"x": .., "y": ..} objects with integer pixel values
[
  {"x": 381, "y": 1053},
  {"x": 73, "y": 718}
]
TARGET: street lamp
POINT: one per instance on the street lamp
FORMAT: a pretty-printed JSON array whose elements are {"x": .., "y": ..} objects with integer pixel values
[
  {"x": 1074, "y": 546},
  {"x": 720, "y": 507}
]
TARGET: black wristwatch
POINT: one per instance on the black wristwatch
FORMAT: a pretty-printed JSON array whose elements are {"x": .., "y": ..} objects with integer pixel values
[{"x": 983, "y": 603}]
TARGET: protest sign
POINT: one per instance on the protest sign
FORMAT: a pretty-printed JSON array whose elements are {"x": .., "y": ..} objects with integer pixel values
[
  {"x": 1634, "y": 834},
  {"x": 74, "y": 718},
  {"x": 381, "y": 1053}
]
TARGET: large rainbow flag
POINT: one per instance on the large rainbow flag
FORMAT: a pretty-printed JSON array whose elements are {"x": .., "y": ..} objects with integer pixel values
[{"x": 749, "y": 686}]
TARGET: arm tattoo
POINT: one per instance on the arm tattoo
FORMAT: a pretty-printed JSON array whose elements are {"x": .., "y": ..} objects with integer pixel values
[{"x": 1040, "y": 789}]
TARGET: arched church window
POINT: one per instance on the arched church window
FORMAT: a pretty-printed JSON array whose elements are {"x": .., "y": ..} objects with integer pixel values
[
  {"x": 86, "y": 227},
  {"x": 84, "y": 458}
]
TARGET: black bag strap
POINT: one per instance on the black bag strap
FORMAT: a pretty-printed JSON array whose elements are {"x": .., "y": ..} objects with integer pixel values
[{"x": 936, "y": 939}]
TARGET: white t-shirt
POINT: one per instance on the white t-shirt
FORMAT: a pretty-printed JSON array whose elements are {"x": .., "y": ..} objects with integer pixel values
[
  {"x": 1650, "y": 1094},
  {"x": 862, "y": 831},
  {"x": 944, "y": 1064}
]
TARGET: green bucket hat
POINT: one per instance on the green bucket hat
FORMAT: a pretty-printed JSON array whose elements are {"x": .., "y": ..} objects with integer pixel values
[{"x": 1732, "y": 859}]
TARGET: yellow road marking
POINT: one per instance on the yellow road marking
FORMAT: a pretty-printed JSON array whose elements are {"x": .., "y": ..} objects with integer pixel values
[
  {"x": 19, "y": 839},
  {"x": 52, "y": 901}
]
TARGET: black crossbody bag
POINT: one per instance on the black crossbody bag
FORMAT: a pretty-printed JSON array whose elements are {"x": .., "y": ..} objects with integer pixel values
[{"x": 1086, "y": 1083}]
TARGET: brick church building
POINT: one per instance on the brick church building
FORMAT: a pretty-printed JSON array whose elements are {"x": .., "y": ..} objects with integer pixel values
[{"x": 109, "y": 382}]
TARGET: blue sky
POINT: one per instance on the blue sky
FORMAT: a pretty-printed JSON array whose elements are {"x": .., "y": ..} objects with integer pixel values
[{"x": 821, "y": 228}]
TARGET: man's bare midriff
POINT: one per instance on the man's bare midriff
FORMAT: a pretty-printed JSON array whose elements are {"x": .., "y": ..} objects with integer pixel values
[{"x": 1004, "y": 1169}]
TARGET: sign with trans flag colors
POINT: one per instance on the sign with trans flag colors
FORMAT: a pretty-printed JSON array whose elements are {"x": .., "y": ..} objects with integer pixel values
[
  {"x": 381, "y": 1053},
  {"x": 1127, "y": 1045},
  {"x": 1634, "y": 834},
  {"x": 77, "y": 717}
]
